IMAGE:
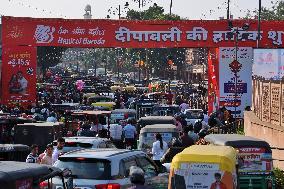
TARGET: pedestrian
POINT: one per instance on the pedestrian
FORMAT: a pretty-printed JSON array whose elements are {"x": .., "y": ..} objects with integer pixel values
[
  {"x": 129, "y": 134},
  {"x": 58, "y": 149},
  {"x": 33, "y": 156},
  {"x": 47, "y": 158},
  {"x": 191, "y": 134},
  {"x": 51, "y": 118},
  {"x": 158, "y": 150},
  {"x": 137, "y": 179},
  {"x": 186, "y": 140}
]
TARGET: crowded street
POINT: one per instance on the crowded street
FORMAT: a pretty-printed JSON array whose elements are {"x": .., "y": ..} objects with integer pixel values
[{"x": 144, "y": 97}]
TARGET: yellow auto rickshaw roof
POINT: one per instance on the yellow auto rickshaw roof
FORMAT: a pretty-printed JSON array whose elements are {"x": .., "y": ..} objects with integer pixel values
[{"x": 225, "y": 156}]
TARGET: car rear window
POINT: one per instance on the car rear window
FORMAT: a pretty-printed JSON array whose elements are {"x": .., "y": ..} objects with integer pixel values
[
  {"x": 76, "y": 144},
  {"x": 86, "y": 168}
]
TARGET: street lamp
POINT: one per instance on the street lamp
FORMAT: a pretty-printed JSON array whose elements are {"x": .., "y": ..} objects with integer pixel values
[
  {"x": 113, "y": 11},
  {"x": 236, "y": 66}
]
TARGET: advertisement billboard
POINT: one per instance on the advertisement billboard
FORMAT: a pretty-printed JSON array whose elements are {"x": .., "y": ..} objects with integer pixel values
[
  {"x": 234, "y": 93},
  {"x": 18, "y": 76},
  {"x": 268, "y": 64}
]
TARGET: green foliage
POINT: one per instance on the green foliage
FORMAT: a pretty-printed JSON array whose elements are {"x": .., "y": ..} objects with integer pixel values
[
  {"x": 155, "y": 59},
  {"x": 154, "y": 12},
  {"x": 279, "y": 178},
  {"x": 276, "y": 12},
  {"x": 49, "y": 56}
]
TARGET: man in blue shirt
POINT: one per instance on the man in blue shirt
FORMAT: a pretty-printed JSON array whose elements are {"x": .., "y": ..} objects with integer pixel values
[{"x": 129, "y": 134}]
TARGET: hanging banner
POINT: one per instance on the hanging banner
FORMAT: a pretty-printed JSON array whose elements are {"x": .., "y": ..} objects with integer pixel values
[
  {"x": 137, "y": 34},
  {"x": 268, "y": 64},
  {"x": 213, "y": 80},
  {"x": 243, "y": 67},
  {"x": 254, "y": 161},
  {"x": 19, "y": 76}
]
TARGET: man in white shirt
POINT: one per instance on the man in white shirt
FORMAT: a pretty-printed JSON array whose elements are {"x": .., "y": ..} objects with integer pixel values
[
  {"x": 58, "y": 150},
  {"x": 116, "y": 135}
]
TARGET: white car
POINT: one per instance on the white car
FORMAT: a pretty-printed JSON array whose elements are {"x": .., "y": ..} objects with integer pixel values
[
  {"x": 193, "y": 115},
  {"x": 108, "y": 168}
]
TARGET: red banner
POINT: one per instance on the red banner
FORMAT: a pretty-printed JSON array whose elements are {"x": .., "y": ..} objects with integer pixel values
[
  {"x": 213, "y": 80},
  {"x": 19, "y": 75},
  {"x": 137, "y": 34}
]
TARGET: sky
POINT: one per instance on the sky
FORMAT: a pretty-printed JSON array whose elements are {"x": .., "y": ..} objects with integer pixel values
[{"x": 74, "y": 9}]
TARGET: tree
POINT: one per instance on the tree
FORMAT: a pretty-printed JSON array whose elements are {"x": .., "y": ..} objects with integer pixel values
[
  {"x": 156, "y": 58},
  {"x": 49, "y": 56},
  {"x": 154, "y": 12},
  {"x": 276, "y": 12}
]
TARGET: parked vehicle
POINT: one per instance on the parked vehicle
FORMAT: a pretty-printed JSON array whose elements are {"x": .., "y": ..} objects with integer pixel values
[
  {"x": 18, "y": 175},
  {"x": 254, "y": 159},
  {"x": 147, "y": 136},
  {"x": 151, "y": 120},
  {"x": 200, "y": 166},
  {"x": 14, "y": 152},
  {"x": 38, "y": 133},
  {"x": 165, "y": 110},
  {"x": 122, "y": 114},
  {"x": 75, "y": 143},
  {"x": 193, "y": 115},
  {"x": 108, "y": 168}
]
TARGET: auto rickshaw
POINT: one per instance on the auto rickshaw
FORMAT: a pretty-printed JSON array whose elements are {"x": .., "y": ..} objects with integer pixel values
[
  {"x": 254, "y": 159},
  {"x": 14, "y": 152},
  {"x": 151, "y": 120},
  {"x": 94, "y": 99},
  {"x": 122, "y": 114},
  {"x": 164, "y": 109},
  {"x": 38, "y": 133},
  {"x": 108, "y": 105},
  {"x": 144, "y": 107},
  {"x": 147, "y": 136},
  {"x": 204, "y": 166},
  {"x": 20, "y": 175},
  {"x": 102, "y": 117}
]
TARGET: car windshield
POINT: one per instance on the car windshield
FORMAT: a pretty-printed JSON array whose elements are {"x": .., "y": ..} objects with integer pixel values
[
  {"x": 84, "y": 168},
  {"x": 194, "y": 114}
]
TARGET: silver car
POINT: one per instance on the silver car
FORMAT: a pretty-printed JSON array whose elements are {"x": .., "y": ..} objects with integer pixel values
[{"x": 108, "y": 168}]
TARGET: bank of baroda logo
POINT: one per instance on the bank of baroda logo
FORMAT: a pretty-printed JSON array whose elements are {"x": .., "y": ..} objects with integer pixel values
[{"x": 44, "y": 34}]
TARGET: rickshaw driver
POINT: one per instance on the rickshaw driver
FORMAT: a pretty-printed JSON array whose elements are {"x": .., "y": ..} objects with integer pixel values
[{"x": 129, "y": 134}]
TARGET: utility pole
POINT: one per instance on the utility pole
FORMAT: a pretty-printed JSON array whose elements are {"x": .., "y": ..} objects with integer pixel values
[
  {"x": 228, "y": 10},
  {"x": 171, "y": 6},
  {"x": 258, "y": 24},
  {"x": 119, "y": 14}
]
